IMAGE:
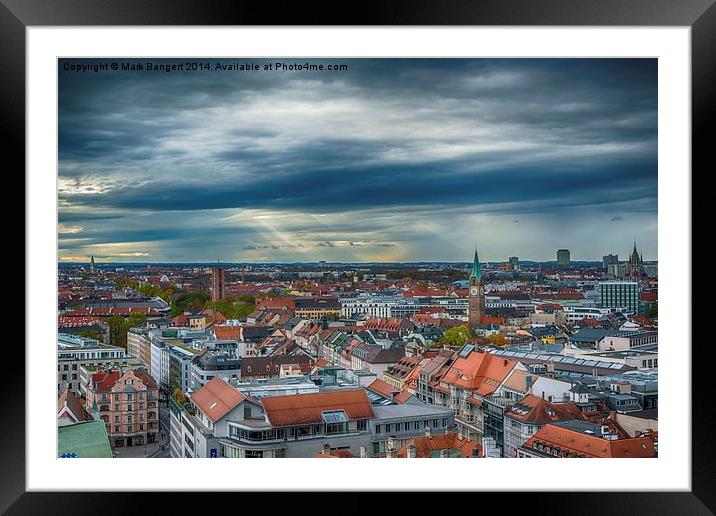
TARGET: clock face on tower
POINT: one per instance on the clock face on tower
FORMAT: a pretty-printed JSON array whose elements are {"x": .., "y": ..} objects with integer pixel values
[{"x": 473, "y": 291}]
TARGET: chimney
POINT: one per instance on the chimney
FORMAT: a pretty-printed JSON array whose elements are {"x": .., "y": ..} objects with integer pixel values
[
  {"x": 444, "y": 453},
  {"x": 428, "y": 432},
  {"x": 363, "y": 452},
  {"x": 326, "y": 449},
  {"x": 459, "y": 434},
  {"x": 411, "y": 451}
]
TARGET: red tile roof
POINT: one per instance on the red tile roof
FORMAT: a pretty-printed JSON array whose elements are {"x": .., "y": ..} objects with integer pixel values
[
  {"x": 216, "y": 399},
  {"x": 180, "y": 320},
  {"x": 300, "y": 409},
  {"x": 227, "y": 332},
  {"x": 335, "y": 454},
  {"x": 69, "y": 322},
  {"x": 104, "y": 381},
  {"x": 425, "y": 446},
  {"x": 592, "y": 446},
  {"x": 538, "y": 411},
  {"x": 389, "y": 324},
  {"x": 479, "y": 371},
  {"x": 77, "y": 411},
  {"x": 382, "y": 388},
  {"x": 402, "y": 397}
]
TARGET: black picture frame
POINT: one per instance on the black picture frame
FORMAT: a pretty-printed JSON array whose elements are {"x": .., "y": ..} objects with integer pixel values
[{"x": 700, "y": 15}]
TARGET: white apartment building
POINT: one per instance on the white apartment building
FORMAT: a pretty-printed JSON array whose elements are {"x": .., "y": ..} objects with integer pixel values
[
  {"x": 576, "y": 314},
  {"x": 73, "y": 352},
  {"x": 399, "y": 306}
]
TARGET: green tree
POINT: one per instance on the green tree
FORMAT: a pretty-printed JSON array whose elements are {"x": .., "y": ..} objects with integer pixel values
[
  {"x": 119, "y": 326},
  {"x": 498, "y": 339},
  {"x": 179, "y": 396},
  {"x": 654, "y": 310},
  {"x": 117, "y": 335},
  {"x": 190, "y": 301},
  {"x": 88, "y": 333},
  {"x": 456, "y": 336}
]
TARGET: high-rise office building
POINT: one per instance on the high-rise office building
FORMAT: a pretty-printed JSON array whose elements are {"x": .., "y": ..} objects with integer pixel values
[
  {"x": 218, "y": 291},
  {"x": 620, "y": 294},
  {"x": 563, "y": 258},
  {"x": 609, "y": 259},
  {"x": 514, "y": 263}
]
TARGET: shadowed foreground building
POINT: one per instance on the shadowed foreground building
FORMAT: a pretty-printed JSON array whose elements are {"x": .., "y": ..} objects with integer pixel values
[{"x": 220, "y": 421}]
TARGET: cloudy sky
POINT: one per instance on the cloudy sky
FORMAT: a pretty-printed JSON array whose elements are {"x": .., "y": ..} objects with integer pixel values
[{"x": 391, "y": 160}]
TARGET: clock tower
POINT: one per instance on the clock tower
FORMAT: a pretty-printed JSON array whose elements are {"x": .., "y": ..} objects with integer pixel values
[{"x": 476, "y": 307}]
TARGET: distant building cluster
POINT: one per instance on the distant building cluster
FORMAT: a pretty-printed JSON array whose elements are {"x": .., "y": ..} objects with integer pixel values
[{"x": 515, "y": 359}]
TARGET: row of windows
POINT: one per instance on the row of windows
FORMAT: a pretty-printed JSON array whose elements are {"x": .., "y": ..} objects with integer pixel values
[
  {"x": 129, "y": 429},
  {"x": 406, "y": 426}
]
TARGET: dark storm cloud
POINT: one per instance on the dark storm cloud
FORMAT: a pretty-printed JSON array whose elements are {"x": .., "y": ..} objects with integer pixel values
[{"x": 499, "y": 136}]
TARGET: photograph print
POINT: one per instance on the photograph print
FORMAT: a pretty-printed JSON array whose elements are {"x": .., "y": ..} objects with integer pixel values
[{"x": 357, "y": 258}]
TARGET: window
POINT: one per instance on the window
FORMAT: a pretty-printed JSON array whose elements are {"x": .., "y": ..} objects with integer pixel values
[
  {"x": 377, "y": 429},
  {"x": 362, "y": 424}
]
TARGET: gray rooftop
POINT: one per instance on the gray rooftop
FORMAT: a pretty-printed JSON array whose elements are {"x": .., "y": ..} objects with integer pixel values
[{"x": 387, "y": 412}]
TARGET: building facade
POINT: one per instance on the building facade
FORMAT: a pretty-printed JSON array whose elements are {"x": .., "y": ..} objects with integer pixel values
[
  {"x": 127, "y": 402},
  {"x": 619, "y": 294},
  {"x": 218, "y": 283},
  {"x": 74, "y": 353},
  {"x": 563, "y": 258}
]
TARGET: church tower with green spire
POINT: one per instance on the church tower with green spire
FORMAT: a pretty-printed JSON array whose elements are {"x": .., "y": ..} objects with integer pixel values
[{"x": 476, "y": 306}]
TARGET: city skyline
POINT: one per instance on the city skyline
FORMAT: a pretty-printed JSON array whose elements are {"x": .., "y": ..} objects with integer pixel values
[{"x": 394, "y": 160}]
